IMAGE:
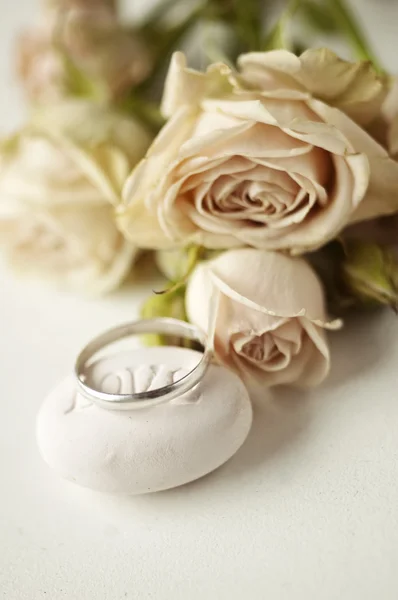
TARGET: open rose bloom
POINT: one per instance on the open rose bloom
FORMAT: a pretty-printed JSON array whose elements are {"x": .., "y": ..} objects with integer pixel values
[
  {"x": 270, "y": 317},
  {"x": 274, "y": 156},
  {"x": 60, "y": 180}
]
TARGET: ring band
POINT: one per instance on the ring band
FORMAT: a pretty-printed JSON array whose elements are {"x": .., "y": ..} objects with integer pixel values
[{"x": 166, "y": 326}]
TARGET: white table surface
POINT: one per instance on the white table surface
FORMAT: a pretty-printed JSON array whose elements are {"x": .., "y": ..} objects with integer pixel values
[{"x": 307, "y": 510}]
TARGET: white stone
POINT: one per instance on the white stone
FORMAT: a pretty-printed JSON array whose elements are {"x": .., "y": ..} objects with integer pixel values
[{"x": 150, "y": 449}]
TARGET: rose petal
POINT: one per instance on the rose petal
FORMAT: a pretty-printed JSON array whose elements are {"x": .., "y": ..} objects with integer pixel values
[
  {"x": 187, "y": 87},
  {"x": 355, "y": 88}
]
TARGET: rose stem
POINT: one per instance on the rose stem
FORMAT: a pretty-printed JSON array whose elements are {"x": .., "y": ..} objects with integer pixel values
[{"x": 353, "y": 32}]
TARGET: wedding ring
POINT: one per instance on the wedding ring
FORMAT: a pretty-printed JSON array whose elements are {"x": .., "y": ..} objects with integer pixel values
[{"x": 165, "y": 326}]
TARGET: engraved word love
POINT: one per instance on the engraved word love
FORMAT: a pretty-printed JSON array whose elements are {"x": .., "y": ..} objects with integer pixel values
[
  {"x": 144, "y": 378},
  {"x": 135, "y": 380}
]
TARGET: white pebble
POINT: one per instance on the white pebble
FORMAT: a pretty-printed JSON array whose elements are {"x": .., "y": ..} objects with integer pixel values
[{"x": 150, "y": 449}]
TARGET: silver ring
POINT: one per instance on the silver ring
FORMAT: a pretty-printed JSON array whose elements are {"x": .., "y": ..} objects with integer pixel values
[{"x": 166, "y": 326}]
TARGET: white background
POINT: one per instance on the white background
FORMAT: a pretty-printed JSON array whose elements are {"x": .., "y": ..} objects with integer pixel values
[{"x": 307, "y": 510}]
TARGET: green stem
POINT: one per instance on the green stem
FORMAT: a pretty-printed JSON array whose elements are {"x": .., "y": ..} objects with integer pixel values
[
  {"x": 277, "y": 38},
  {"x": 170, "y": 42},
  {"x": 353, "y": 32},
  {"x": 194, "y": 254}
]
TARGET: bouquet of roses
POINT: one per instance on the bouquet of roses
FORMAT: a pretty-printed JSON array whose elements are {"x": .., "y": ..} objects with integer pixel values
[{"x": 268, "y": 179}]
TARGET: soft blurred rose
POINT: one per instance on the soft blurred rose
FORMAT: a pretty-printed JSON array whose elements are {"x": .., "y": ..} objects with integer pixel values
[
  {"x": 270, "y": 316},
  {"x": 60, "y": 178},
  {"x": 81, "y": 47},
  {"x": 40, "y": 66},
  {"x": 91, "y": 4},
  {"x": 256, "y": 159}
]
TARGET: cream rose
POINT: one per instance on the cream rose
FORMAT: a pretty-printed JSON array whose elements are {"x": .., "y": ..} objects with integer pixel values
[
  {"x": 60, "y": 179},
  {"x": 256, "y": 159},
  {"x": 270, "y": 316},
  {"x": 80, "y": 44}
]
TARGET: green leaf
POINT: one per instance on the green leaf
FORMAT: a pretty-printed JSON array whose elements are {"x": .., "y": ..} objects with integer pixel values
[
  {"x": 318, "y": 16},
  {"x": 370, "y": 273},
  {"x": 170, "y": 304}
]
